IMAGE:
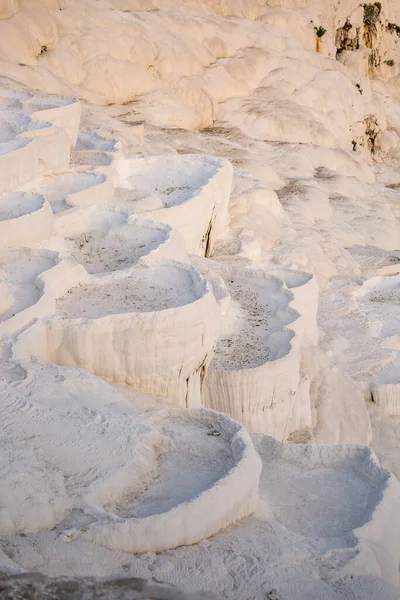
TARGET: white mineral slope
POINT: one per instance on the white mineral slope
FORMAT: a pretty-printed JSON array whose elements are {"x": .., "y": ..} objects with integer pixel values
[
  {"x": 182, "y": 63},
  {"x": 368, "y": 310},
  {"x": 377, "y": 301},
  {"x": 385, "y": 438},
  {"x": 152, "y": 327},
  {"x": 363, "y": 215}
]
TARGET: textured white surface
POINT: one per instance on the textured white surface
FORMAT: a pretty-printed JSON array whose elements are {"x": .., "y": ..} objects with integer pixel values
[{"x": 309, "y": 212}]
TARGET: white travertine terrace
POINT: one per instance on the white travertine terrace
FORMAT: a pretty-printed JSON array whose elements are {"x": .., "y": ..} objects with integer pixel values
[
  {"x": 19, "y": 155},
  {"x": 109, "y": 240},
  {"x": 64, "y": 113},
  {"x": 76, "y": 188},
  {"x": 53, "y": 146},
  {"x": 130, "y": 496},
  {"x": 254, "y": 373},
  {"x": 166, "y": 514},
  {"x": 14, "y": 124},
  {"x": 51, "y": 141},
  {"x": 378, "y": 302},
  {"x": 152, "y": 328},
  {"x": 88, "y": 141},
  {"x": 26, "y": 300},
  {"x": 46, "y": 148},
  {"x": 189, "y": 193},
  {"x": 304, "y": 288},
  {"x": 363, "y": 520},
  {"x": 25, "y": 219}
]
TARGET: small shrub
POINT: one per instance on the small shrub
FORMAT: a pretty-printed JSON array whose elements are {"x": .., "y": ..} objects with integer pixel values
[
  {"x": 389, "y": 63},
  {"x": 372, "y": 12},
  {"x": 358, "y": 86},
  {"x": 320, "y": 31}
]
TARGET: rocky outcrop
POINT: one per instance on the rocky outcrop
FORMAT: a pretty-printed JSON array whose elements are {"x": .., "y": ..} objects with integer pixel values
[{"x": 370, "y": 34}]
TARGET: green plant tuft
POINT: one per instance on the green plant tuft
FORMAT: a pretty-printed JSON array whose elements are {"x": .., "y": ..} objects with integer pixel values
[{"x": 320, "y": 31}]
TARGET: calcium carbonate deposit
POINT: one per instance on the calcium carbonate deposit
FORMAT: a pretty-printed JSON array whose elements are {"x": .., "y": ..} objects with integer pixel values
[{"x": 199, "y": 298}]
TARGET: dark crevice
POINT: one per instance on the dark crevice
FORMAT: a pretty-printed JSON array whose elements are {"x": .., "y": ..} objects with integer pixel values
[
  {"x": 187, "y": 392},
  {"x": 393, "y": 28},
  {"x": 206, "y": 238}
]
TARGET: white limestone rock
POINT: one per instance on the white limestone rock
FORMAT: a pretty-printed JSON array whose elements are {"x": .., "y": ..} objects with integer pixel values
[
  {"x": 305, "y": 134},
  {"x": 311, "y": 534}
]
